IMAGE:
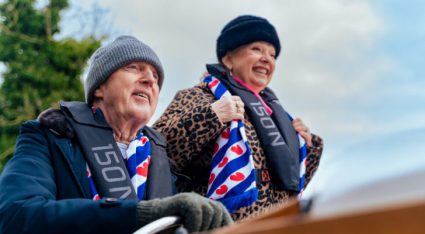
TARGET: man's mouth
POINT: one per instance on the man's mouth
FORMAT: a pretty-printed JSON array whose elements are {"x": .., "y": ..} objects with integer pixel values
[{"x": 142, "y": 95}]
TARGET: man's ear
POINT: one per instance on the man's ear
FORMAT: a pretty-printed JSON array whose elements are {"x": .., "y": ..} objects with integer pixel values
[{"x": 98, "y": 93}]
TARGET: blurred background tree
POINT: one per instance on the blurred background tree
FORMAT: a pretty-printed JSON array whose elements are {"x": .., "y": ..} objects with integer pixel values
[{"x": 39, "y": 70}]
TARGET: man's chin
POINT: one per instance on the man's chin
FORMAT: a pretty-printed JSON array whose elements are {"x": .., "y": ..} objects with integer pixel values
[{"x": 143, "y": 115}]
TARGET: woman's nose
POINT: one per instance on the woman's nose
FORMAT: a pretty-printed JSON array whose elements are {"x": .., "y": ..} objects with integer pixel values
[{"x": 266, "y": 58}]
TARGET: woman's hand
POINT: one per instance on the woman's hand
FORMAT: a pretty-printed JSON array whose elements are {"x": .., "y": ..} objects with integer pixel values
[
  {"x": 303, "y": 130},
  {"x": 228, "y": 108}
]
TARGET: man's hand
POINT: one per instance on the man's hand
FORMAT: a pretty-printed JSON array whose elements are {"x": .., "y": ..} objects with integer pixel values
[{"x": 198, "y": 213}]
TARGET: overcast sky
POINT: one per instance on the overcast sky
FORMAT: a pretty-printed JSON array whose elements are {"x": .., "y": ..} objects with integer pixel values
[{"x": 352, "y": 70}]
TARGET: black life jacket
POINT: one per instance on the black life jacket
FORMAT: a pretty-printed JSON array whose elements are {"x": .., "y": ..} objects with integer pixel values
[{"x": 102, "y": 154}]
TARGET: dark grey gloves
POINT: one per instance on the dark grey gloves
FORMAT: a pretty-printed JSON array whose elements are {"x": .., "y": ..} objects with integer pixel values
[{"x": 198, "y": 213}]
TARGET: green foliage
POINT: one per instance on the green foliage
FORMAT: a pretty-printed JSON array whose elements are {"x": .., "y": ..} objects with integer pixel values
[{"x": 40, "y": 70}]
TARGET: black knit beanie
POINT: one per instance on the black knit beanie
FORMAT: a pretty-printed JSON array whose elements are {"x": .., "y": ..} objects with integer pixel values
[
  {"x": 243, "y": 30},
  {"x": 109, "y": 58}
]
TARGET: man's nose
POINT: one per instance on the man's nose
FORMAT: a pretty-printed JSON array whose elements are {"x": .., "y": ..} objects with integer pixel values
[{"x": 148, "y": 77}]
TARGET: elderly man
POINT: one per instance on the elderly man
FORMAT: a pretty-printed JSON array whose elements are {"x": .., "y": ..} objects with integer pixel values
[{"x": 96, "y": 167}]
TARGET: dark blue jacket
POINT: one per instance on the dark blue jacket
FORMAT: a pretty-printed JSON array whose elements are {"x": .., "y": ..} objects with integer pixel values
[{"x": 44, "y": 189}]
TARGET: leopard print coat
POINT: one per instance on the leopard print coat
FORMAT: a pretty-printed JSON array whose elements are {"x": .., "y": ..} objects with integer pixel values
[{"x": 191, "y": 129}]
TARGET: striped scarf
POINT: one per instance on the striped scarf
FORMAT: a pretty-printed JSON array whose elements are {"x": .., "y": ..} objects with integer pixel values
[
  {"x": 232, "y": 177},
  {"x": 137, "y": 162},
  {"x": 303, "y": 161}
]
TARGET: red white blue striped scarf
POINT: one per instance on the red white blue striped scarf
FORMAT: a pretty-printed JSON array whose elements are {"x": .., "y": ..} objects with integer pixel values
[
  {"x": 232, "y": 176},
  {"x": 137, "y": 162},
  {"x": 303, "y": 161}
]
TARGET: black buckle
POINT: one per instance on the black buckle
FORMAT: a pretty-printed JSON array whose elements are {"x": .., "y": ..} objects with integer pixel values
[{"x": 263, "y": 175}]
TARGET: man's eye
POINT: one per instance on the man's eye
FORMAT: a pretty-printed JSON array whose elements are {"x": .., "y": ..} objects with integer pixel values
[
  {"x": 132, "y": 66},
  {"x": 156, "y": 76}
]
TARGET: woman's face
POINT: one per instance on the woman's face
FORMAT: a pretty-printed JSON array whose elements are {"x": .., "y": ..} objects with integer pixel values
[
  {"x": 253, "y": 63},
  {"x": 130, "y": 93}
]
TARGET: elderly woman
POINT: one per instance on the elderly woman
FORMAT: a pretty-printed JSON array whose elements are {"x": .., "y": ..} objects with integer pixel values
[
  {"x": 230, "y": 136},
  {"x": 96, "y": 167}
]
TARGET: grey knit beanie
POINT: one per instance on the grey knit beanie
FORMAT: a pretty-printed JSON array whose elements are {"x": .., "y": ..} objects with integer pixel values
[{"x": 109, "y": 58}]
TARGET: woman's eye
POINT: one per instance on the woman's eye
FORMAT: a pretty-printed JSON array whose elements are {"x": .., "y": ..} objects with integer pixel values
[{"x": 256, "y": 49}]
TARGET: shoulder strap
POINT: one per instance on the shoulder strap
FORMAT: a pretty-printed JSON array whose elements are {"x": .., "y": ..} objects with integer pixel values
[
  {"x": 100, "y": 150},
  {"x": 273, "y": 133},
  {"x": 160, "y": 182}
]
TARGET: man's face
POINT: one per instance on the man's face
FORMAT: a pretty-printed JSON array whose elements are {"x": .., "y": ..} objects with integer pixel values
[{"x": 131, "y": 92}]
